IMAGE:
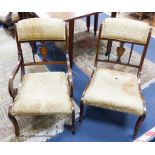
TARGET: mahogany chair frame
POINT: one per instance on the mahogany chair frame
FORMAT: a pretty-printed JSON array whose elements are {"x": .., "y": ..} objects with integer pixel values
[
  {"x": 118, "y": 61},
  {"x": 21, "y": 65}
]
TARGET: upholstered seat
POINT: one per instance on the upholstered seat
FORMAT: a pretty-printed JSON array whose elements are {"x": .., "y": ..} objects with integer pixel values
[
  {"x": 14, "y": 16},
  {"x": 43, "y": 93},
  {"x": 41, "y": 29},
  {"x": 114, "y": 90},
  {"x": 125, "y": 29}
]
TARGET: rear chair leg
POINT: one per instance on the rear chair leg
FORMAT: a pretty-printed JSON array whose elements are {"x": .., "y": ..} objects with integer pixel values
[
  {"x": 15, "y": 123},
  {"x": 73, "y": 121},
  {"x": 138, "y": 124},
  {"x": 81, "y": 111}
]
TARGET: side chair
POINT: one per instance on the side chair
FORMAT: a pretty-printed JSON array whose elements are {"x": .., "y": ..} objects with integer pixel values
[
  {"x": 42, "y": 93},
  {"x": 118, "y": 90}
]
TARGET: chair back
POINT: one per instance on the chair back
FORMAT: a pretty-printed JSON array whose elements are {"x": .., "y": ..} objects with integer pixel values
[
  {"x": 121, "y": 31},
  {"x": 34, "y": 30}
]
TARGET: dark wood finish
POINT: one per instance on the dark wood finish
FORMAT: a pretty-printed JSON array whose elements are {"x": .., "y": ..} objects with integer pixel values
[
  {"x": 95, "y": 23},
  {"x": 113, "y": 14},
  {"x": 138, "y": 124},
  {"x": 71, "y": 39},
  {"x": 88, "y": 23},
  {"x": 109, "y": 44},
  {"x": 120, "y": 51},
  {"x": 21, "y": 65},
  {"x": 14, "y": 122},
  {"x": 26, "y": 15},
  {"x": 81, "y": 111},
  {"x": 70, "y": 17},
  {"x": 140, "y": 15},
  {"x": 73, "y": 122}
]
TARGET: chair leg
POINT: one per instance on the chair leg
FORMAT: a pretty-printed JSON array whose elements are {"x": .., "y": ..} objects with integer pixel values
[
  {"x": 15, "y": 123},
  {"x": 73, "y": 121},
  {"x": 81, "y": 111},
  {"x": 138, "y": 124},
  {"x": 88, "y": 23}
]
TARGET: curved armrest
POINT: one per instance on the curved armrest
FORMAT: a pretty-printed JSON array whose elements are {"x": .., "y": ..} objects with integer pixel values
[
  {"x": 69, "y": 74},
  {"x": 13, "y": 91}
]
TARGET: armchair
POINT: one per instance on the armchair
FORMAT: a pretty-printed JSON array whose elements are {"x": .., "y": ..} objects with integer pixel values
[{"x": 43, "y": 93}]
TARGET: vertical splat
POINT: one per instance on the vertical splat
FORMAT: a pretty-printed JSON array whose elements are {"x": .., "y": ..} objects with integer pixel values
[
  {"x": 120, "y": 51},
  {"x": 43, "y": 50},
  {"x": 132, "y": 46}
]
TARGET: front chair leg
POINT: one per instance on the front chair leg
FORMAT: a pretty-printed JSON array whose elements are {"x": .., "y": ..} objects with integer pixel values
[
  {"x": 81, "y": 111},
  {"x": 73, "y": 121},
  {"x": 138, "y": 124},
  {"x": 15, "y": 123}
]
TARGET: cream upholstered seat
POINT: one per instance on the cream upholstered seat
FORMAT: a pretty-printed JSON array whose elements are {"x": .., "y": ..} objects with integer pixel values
[
  {"x": 114, "y": 90},
  {"x": 43, "y": 93},
  {"x": 41, "y": 29},
  {"x": 14, "y": 16},
  {"x": 125, "y": 30}
]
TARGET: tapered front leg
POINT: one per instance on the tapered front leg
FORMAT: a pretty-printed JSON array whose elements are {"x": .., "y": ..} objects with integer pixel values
[
  {"x": 138, "y": 124},
  {"x": 71, "y": 39},
  {"x": 81, "y": 111},
  {"x": 15, "y": 123},
  {"x": 73, "y": 121}
]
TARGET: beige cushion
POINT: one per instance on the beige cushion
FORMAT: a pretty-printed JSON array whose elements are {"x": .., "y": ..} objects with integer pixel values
[
  {"x": 114, "y": 90},
  {"x": 41, "y": 29},
  {"x": 43, "y": 93},
  {"x": 14, "y": 16},
  {"x": 125, "y": 29}
]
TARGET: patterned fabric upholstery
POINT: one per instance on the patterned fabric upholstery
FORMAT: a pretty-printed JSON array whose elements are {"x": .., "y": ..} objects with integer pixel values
[
  {"x": 14, "y": 16},
  {"x": 43, "y": 93},
  {"x": 125, "y": 29},
  {"x": 41, "y": 29},
  {"x": 114, "y": 90}
]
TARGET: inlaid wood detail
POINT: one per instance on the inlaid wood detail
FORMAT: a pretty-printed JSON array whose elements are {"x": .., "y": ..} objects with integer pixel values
[
  {"x": 120, "y": 51},
  {"x": 43, "y": 50}
]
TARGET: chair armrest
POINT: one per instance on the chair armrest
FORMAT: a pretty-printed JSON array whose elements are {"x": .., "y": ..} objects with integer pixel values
[
  {"x": 13, "y": 91},
  {"x": 69, "y": 74}
]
